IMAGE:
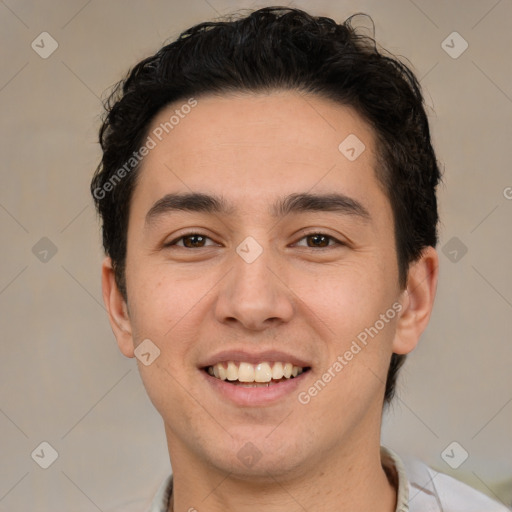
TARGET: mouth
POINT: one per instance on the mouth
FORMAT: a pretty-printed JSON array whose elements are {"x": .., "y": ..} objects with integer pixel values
[{"x": 248, "y": 375}]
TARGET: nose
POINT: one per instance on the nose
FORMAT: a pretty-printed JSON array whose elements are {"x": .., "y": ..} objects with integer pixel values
[{"x": 254, "y": 294}]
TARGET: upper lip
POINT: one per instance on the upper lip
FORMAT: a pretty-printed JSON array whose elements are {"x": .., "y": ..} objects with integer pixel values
[{"x": 269, "y": 356}]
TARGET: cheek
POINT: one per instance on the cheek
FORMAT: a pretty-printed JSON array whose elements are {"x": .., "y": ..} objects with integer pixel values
[
  {"x": 170, "y": 311},
  {"x": 162, "y": 301},
  {"x": 348, "y": 299},
  {"x": 166, "y": 313},
  {"x": 358, "y": 321},
  {"x": 358, "y": 348}
]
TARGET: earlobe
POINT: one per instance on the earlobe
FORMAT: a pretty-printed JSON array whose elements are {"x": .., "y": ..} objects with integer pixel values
[
  {"x": 418, "y": 301},
  {"x": 117, "y": 309}
]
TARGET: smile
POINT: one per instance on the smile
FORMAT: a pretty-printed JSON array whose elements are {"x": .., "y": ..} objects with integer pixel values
[{"x": 263, "y": 374}]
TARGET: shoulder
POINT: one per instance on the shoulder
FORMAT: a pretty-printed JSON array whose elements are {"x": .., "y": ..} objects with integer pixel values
[{"x": 430, "y": 490}]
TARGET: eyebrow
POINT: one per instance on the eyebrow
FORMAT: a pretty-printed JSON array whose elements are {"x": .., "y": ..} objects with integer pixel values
[{"x": 294, "y": 203}]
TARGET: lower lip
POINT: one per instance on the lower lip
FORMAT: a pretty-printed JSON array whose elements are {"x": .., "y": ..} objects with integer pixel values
[{"x": 256, "y": 396}]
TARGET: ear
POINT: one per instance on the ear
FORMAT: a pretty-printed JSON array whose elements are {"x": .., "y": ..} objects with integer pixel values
[
  {"x": 418, "y": 301},
  {"x": 117, "y": 309}
]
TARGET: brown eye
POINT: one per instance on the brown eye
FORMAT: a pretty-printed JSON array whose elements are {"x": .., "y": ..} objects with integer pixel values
[
  {"x": 191, "y": 241},
  {"x": 318, "y": 240}
]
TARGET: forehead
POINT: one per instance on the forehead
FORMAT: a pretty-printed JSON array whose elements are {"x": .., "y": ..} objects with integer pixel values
[{"x": 252, "y": 145}]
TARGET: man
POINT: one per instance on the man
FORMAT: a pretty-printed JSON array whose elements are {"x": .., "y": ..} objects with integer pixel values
[{"x": 268, "y": 197}]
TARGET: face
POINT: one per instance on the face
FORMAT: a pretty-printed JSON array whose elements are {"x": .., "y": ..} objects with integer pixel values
[{"x": 257, "y": 247}]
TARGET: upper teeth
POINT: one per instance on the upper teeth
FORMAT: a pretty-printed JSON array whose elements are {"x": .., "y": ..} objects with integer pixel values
[{"x": 247, "y": 372}]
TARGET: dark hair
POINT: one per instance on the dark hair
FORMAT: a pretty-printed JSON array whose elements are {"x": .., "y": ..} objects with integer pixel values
[{"x": 278, "y": 48}]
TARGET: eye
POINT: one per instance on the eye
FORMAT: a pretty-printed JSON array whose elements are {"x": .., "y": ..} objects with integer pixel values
[
  {"x": 191, "y": 241},
  {"x": 319, "y": 240},
  {"x": 198, "y": 241}
]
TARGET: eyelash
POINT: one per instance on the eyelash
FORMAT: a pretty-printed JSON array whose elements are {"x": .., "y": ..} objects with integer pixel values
[{"x": 306, "y": 235}]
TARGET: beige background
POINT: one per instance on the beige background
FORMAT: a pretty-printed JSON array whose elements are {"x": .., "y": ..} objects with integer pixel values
[{"x": 63, "y": 380}]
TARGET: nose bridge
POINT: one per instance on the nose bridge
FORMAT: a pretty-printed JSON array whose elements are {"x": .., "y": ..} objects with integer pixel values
[
  {"x": 252, "y": 273},
  {"x": 252, "y": 294}
]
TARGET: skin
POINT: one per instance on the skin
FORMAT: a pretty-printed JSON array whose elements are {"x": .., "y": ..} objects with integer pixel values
[{"x": 297, "y": 297}]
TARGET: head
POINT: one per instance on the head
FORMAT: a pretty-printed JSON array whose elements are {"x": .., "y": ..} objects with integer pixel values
[{"x": 249, "y": 112}]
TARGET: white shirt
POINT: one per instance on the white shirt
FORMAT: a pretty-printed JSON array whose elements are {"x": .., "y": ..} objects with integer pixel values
[{"x": 420, "y": 489}]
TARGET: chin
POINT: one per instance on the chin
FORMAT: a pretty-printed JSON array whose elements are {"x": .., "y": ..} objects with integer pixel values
[
  {"x": 266, "y": 470},
  {"x": 260, "y": 458}
]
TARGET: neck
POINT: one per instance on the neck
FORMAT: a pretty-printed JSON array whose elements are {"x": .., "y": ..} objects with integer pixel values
[{"x": 343, "y": 481}]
